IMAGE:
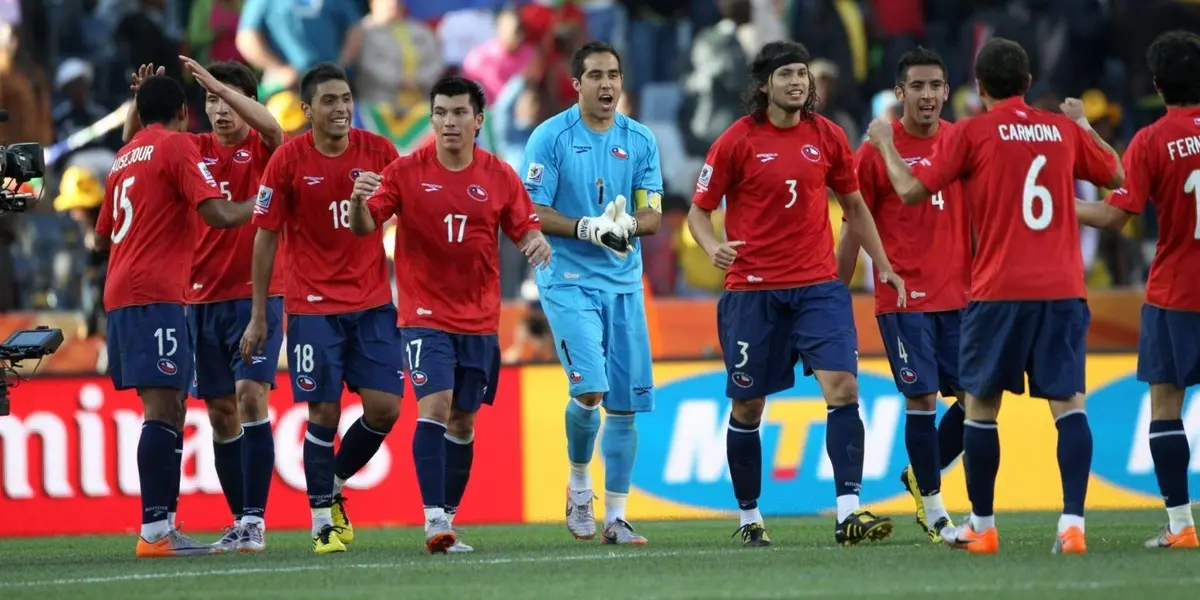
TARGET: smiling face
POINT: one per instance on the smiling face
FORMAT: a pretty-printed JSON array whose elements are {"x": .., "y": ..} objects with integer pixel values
[
  {"x": 923, "y": 94},
  {"x": 331, "y": 108},
  {"x": 599, "y": 86},
  {"x": 455, "y": 121},
  {"x": 788, "y": 87}
]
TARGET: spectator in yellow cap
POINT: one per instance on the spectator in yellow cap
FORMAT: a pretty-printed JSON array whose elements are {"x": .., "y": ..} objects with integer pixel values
[{"x": 80, "y": 194}]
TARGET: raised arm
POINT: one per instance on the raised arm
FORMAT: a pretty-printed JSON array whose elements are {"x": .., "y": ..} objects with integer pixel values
[{"x": 256, "y": 115}]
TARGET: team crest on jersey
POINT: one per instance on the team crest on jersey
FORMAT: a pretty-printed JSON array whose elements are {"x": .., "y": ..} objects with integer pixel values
[
  {"x": 477, "y": 193},
  {"x": 534, "y": 174},
  {"x": 354, "y": 173},
  {"x": 810, "y": 152},
  {"x": 241, "y": 157},
  {"x": 306, "y": 383},
  {"x": 619, "y": 153},
  {"x": 208, "y": 178},
  {"x": 575, "y": 376},
  {"x": 419, "y": 378},
  {"x": 167, "y": 367},
  {"x": 741, "y": 379},
  {"x": 908, "y": 375}
]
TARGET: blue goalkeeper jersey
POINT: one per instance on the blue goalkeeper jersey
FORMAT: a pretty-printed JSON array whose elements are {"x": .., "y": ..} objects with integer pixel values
[{"x": 564, "y": 160}]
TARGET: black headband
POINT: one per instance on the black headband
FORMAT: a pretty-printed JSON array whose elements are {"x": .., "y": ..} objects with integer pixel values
[{"x": 786, "y": 59}]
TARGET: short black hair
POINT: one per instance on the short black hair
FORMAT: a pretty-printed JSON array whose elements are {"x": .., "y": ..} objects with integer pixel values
[
  {"x": 317, "y": 75},
  {"x": 589, "y": 49},
  {"x": 458, "y": 86},
  {"x": 159, "y": 99},
  {"x": 237, "y": 75},
  {"x": 1002, "y": 68},
  {"x": 918, "y": 57},
  {"x": 1174, "y": 61},
  {"x": 755, "y": 99}
]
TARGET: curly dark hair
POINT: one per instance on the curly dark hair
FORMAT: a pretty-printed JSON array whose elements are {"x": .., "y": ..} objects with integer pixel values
[
  {"x": 1002, "y": 68},
  {"x": 1174, "y": 61},
  {"x": 756, "y": 100}
]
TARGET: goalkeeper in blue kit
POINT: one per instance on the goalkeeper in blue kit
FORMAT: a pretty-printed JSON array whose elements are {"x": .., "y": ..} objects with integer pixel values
[{"x": 581, "y": 167}]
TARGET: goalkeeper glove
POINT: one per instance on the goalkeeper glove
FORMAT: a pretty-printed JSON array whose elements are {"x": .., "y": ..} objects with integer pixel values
[
  {"x": 603, "y": 231},
  {"x": 623, "y": 219}
]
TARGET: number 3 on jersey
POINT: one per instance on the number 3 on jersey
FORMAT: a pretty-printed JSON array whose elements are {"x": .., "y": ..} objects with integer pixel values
[
  {"x": 123, "y": 203},
  {"x": 1034, "y": 192}
]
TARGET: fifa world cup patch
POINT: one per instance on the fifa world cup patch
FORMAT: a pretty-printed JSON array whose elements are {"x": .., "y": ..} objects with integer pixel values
[
  {"x": 208, "y": 178},
  {"x": 534, "y": 174},
  {"x": 262, "y": 202},
  {"x": 706, "y": 174}
]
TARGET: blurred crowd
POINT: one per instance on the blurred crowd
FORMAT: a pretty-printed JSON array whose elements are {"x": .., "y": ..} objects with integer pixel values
[{"x": 65, "y": 65}]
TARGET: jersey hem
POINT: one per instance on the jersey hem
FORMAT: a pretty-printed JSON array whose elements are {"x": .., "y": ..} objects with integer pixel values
[
  {"x": 782, "y": 286},
  {"x": 338, "y": 312}
]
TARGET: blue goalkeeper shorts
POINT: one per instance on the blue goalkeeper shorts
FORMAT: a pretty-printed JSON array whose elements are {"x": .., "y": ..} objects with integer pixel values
[{"x": 603, "y": 343}]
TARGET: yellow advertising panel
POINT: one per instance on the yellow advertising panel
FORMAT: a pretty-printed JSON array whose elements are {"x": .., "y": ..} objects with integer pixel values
[{"x": 681, "y": 470}]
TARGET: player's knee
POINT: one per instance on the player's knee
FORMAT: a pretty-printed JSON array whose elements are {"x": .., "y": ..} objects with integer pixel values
[
  {"x": 380, "y": 409},
  {"x": 1166, "y": 402},
  {"x": 591, "y": 398},
  {"x": 436, "y": 407},
  {"x": 325, "y": 414},
  {"x": 840, "y": 389},
  {"x": 981, "y": 409},
  {"x": 162, "y": 405},
  {"x": 223, "y": 414},
  {"x": 252, "y": 400},
  {"x": 1058, "y": 408},
  {"x": 461, "y": 424},
  {"x": 750, "y": 411},
  {"x": 924, "y": 403}
]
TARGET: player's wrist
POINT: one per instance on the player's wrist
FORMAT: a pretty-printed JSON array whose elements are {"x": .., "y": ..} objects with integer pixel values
[
  {"x": 1084, "y": 123},
  {"x": 583, "y": 228},
  {"x": 633, "y": 227}
]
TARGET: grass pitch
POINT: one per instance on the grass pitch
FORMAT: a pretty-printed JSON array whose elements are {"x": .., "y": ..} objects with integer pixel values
[{"x": 685, "y": 560}]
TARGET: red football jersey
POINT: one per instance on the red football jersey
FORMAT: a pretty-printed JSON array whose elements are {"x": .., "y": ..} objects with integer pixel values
[
  {"x": 222, "y": 262},
  {"x": 156, "y": 182},
  {"x": 306, "y": 196},
  {"x": 1018, "y": 167},
  {"x": 929, "y": 245},
  {"x": 449, "y": 223},
  {"x": 1162, "y": 165},
  {"x": 774, "y": 183}
]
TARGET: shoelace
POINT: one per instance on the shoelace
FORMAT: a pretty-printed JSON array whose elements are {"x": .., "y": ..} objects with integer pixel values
[{"x": 326, "y": 532}]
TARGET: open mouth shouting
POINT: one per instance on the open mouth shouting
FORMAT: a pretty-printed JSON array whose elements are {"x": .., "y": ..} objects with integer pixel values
[{"x": 606, "y": 101}]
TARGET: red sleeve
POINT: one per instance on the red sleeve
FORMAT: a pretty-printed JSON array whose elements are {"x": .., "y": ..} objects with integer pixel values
[
  {"x": 948, "y": 161},
  {"x": 840, "y": 176},
  {"x": 518, "y": 217},
  {"x": 1092, "y": 161},
  {"x": 104, "y": 222},
  {"x": 864, "y": 167},
  {"x": 192, "y": 179},
  {"x": 718, "y": 173},
  {"x": 273, "y": 203},
  {"x": 386, "y": 200},
  {"x": 1133, "y": 196}
]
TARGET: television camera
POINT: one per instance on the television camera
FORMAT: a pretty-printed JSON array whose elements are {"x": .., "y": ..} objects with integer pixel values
[
  {"x": 28, "y": 344},
  {"x": 19, "y": 163}
]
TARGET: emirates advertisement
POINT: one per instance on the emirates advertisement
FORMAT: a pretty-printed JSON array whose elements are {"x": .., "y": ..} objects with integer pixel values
[{"x": 69, "y": 449}]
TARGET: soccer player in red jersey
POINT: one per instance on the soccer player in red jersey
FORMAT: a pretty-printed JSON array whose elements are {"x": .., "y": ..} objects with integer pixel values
[
  {"x": 1162, "y": 165},
  {"x": 452, "y": 199},
  {"x": 930, "y": 247},
  {"x": 157, "y": 180},
  {"x": 782, "y": 299},
  {"x": 1028, "y": 312},
  {"x": 341, "y": 324}
]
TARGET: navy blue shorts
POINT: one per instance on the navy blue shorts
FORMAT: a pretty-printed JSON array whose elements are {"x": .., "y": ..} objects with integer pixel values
[
  {"x": 216, "y": 330},
  {"x": 1169, "y": 347},
  {"x": 922, "y": 349},
  {"x": 148, "y": 347},
  {"x": 1002, "y": 341},
  {"x": 764, "y": 332},
  {"x": 361, "y": 349},
  {"x": 437, "y": 361}
]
